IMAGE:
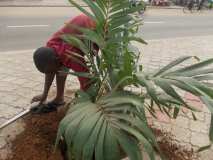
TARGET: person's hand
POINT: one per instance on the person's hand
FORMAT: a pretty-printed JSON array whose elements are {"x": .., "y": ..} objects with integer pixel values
[{"x": 39, "y": 98}]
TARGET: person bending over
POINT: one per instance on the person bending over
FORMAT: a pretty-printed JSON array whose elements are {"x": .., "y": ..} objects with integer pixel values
[{"x": 55, "y": 57}]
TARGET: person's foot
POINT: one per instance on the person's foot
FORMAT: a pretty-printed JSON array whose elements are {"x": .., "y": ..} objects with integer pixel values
[
  {"x": 47, "y": 108},
  {"x": 57, "y": 101},
  {"x": 52, "y": 106}
]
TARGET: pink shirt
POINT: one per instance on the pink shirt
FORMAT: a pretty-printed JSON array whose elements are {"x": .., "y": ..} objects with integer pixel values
[{"x": 63, "y": 49}]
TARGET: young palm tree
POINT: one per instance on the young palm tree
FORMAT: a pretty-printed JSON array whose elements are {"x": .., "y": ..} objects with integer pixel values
[{"x": 108, "y": 122}]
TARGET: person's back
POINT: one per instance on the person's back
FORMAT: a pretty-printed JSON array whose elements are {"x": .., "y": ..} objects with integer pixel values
[
  {"x": 57, "y": 56},
  {"x": 56, "y": 41}
]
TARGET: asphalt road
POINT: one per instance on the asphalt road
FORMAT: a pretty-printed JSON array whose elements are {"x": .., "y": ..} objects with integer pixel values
[{"x": 29, "y": 28}]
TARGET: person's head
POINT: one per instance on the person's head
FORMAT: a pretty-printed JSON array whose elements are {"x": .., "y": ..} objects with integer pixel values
[{"x": 45, "y": 60}]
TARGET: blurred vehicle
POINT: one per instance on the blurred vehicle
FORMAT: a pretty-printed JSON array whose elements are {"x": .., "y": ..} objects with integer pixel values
[
  {"x": 160, "y": 2},
  {"x": 140, "y": 2},
  {"x": 197, "y": 5}
]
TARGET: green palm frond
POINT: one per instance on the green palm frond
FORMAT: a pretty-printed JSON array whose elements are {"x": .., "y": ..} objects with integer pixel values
[
  {"x": 108, "y": 128},
  {"x": 107, "y": 122},
  {"x": 116, "y": 26},
  {"x": 189, "y": 79}
]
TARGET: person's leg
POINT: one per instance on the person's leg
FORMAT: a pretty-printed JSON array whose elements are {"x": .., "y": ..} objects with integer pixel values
[
  {"x": 84, "y": 82},
  {"x": 55, "y": 103},
  {"x": 78, "y": 67},
  {"x": 60, "y": 85}
]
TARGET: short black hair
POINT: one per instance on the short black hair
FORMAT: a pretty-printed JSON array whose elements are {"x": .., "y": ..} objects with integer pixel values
[{"x": 43, "y": 57}]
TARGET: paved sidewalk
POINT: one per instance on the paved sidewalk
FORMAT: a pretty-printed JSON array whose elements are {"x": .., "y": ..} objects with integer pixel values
[
  {"x": 186, "y": 131},
  {"x": 19, "y": 82}
]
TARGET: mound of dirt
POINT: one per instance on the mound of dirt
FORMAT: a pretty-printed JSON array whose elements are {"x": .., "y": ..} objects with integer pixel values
[
  {"x": 172, "y": 150},
  {"x": 37, "y": 140}
]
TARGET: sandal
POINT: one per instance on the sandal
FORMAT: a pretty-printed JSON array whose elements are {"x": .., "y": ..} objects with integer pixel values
[{"x": 46, "y": 108}]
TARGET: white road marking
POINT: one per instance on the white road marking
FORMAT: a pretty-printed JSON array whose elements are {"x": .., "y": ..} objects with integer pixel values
[
  {"x": 28, "y": 26},
  {"x": 154, "y": 22},
  {"x": 18, "y": 51}
]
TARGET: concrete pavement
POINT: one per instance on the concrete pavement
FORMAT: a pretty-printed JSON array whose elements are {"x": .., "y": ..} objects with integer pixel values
[{"x": 20, "y": 81}]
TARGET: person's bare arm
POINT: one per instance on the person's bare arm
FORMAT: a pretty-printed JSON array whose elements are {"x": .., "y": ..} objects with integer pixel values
[
  {"x": 48, "y": 82},
  {"x": 60, "y": 82}
]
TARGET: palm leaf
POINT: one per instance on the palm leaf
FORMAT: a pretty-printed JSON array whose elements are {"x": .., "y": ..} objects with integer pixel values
[
  {"x": 97, "y": 135},
  {"x": 129, "y": 145},
  {"x": 111, "y": 146},
  {"x": 99, "y": 148},
  {"x": 188, "y": 79},
  {"x": 82, "y": 9},
  {"x": 105, "y": 123},
  {"x": 172, "y": 64}
]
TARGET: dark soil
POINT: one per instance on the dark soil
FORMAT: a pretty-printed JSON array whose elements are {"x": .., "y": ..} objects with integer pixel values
[
  {"x": 170, "y": 149},
  {"x": 37, "y": 141}
]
